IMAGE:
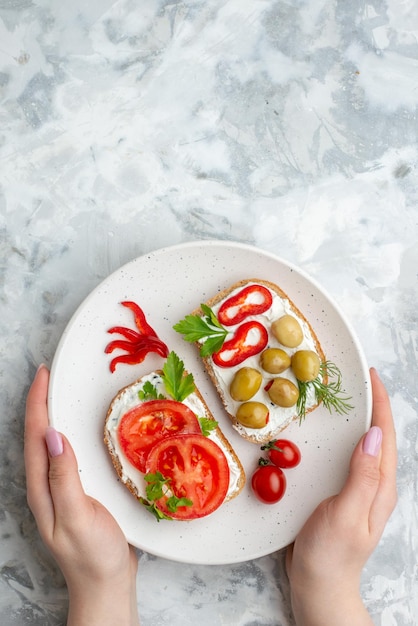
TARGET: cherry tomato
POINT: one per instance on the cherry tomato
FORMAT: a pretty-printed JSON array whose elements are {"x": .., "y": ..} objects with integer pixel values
[
  {"x": 268, "y": 483},
  {"x": 197, "y": 469},
  {"x": 251, "y": 300},
  {"x": 283, "y": 453},
  {"x": 146, "y": 424},
  {"x": 249, "y": 339}
]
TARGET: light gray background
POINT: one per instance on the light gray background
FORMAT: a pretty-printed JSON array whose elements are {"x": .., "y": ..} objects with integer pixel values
[{"x": 127, "y": 126}]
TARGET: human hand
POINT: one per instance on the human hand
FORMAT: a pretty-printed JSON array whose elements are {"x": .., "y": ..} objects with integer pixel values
[
  {"x": 97, "y": 562},
  {"x": 325, "y": 562}
]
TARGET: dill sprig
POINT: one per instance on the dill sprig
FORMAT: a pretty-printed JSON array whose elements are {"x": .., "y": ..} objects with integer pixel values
[{"x": 330, "y": 393}]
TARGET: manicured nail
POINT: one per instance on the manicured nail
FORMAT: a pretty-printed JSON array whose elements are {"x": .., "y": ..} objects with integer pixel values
[
  {"x": 373, "y": 441},
  {"x": 40, "y": 367},
  {"x": 53, "y": 442},
  {"x": 375, "y": 372}
]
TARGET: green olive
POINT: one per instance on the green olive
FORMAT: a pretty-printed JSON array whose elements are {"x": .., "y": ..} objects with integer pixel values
[
  {"x": 274, "y": 360},
  {"x": 245, "y": 384},
  {"x": 253, "y": 414},
  {"x": 287, "y": 331},
  {"x": 283, "y": 392},
  {"x": 305, "y": 365}
]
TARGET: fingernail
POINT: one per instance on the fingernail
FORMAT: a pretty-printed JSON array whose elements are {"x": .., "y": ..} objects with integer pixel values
[
  {"x": 53, "y": 442},
  {"x": 373, "y": 441},
  {"x": 375, "y": 372}
]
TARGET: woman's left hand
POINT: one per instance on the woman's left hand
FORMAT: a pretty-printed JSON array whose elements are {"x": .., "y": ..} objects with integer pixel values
[{"x": 90, "y": 548}]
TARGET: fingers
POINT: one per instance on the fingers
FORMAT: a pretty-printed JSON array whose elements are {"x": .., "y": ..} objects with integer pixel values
[
  {"x": 363, "y": 480},
  {"x": 35, "y": 452},
  {"x": 65, "y": 487},
  {"x": 54, "y": 490},
  {"x": 368, "y": 494},
  {"x": 382, "y": 417}
]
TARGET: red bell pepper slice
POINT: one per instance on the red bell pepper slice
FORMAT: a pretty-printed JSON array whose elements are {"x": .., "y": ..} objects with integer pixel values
[
  {"x": 140, "y": 321},
  {"x": 241, "y": 346},
  {"x": 139, "y": 352},
  {"x": 252, "y": 300},
  {"x": 137, "y": 344},
  {"x": 120, "y": 344},
  {"x": 131, "y": 335},
  {"x": 144, "y": 341}
]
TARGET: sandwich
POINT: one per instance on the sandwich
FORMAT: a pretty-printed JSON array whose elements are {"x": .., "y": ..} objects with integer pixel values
[
  {"x": 168, "y": 449},
  {"x": 263, "y": 357}
]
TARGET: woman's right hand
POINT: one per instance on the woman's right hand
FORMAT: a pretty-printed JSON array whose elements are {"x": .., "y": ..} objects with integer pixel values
[{"x": 327, "y": 558}]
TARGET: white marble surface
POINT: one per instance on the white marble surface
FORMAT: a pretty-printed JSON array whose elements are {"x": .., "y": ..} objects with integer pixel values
[{"x": 127, "y": 126}]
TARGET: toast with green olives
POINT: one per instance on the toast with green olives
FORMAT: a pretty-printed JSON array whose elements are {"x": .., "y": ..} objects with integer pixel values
[{"x": 263, "y": 357}]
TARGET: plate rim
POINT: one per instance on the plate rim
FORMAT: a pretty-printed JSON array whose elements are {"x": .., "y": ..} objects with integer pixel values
[{"x": 242, "y": 247}]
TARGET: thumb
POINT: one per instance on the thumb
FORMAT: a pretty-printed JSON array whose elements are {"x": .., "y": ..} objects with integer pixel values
[
  {"x": 363, "y": 481},
  {"x": 64, "y": 481}
]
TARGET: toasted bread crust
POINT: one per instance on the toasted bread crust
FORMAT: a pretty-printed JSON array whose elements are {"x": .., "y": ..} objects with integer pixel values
[
  {"x": 224, "y": 444},
  {"x": 207, "y": 361}
]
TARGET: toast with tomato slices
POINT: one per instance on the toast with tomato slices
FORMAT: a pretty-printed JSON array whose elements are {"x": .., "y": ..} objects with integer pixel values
[
  {"x": 168, "y": 449},
  {"x": 262, "y": 355}
]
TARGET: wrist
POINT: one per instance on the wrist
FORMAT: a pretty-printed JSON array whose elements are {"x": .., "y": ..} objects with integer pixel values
[
  {"x": 103, "y": 607},
  {"x": 325, "y": 606},
  {"x": 103, "y": 603}
]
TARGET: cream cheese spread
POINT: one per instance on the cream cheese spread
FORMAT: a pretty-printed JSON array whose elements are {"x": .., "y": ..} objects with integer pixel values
[
  {"x": 127, "y": 399},
  {"x": 279, "y": 417}
]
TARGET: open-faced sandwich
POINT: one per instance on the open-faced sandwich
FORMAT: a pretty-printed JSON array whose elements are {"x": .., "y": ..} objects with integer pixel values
[
  {"x": 263, "y": 357},
  {"x": 168, "y": 449}
]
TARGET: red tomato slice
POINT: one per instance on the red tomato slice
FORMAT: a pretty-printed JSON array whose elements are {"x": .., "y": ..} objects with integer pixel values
[
  {"x": 198, "y": 470},
  {"x": 251, "y": 300},
  {"x": 146, "y": 424}
]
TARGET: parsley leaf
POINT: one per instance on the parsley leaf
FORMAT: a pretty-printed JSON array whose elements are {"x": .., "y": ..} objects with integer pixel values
[
  {"x": 196, "y": 328},
  {"x": 157, "y": 487},
  {"x": 155, "y": 483},
  {"x": 174, "y": 502},
  {"x": 207, "y": 425},
  {"x": 149, "y": 392},
  {"x": 178, "y": 384},
  {"x": 159, "y": 515}
]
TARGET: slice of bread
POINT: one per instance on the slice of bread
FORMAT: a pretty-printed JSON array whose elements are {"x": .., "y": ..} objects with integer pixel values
[
  {"x": 126, "y": 399},
  {"x": 279, "y": 417}
]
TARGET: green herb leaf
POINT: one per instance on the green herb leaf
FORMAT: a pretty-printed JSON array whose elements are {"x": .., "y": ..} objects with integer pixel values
[
  {"x": 154, "y": 488},
  {"x": 159, "y": 515},
  {"x": 207, "y": 328},
  {"x": 177, "y": 384},
  {"x": 207, "y": 425},
  {"x": 173, "y": 503},
  {"x": 149, "y": 392},
  {"x": 157, "y": 487},
  {"x": 331, "y": 394}
]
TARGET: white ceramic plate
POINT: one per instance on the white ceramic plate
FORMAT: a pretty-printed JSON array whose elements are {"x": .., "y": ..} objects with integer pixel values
[{"x": 168, "y": 284}]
